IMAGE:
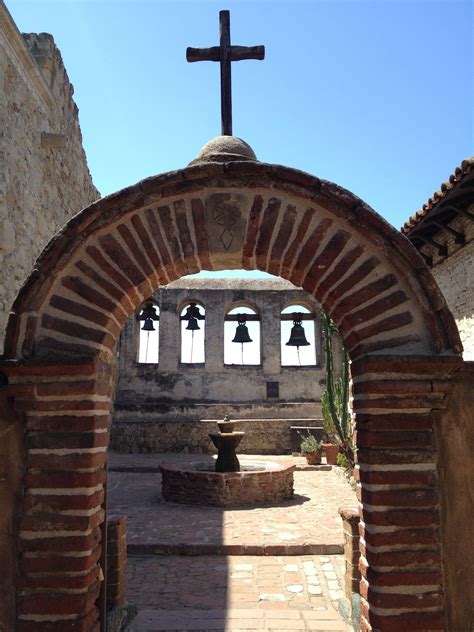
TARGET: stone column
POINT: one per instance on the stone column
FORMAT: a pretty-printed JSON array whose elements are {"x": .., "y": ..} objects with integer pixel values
[
  {"x": 214, "y": 335},
  {"x": 170, "y": 337},
  {"x": 270, "y": 331}
]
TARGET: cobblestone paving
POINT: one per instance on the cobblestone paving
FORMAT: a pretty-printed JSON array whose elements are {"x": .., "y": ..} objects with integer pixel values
[
  {"x": 307, "y": 524},
  {"x": 236, "y": 593}
]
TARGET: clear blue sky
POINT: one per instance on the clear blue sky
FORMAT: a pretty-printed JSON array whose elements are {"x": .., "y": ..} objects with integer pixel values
[{"x": 374, "y": 95}]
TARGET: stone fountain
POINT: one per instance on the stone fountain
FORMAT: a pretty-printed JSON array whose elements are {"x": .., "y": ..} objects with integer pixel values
[
  {"x": 226, "y": 442},
  {"x": 226, "y": 483}
]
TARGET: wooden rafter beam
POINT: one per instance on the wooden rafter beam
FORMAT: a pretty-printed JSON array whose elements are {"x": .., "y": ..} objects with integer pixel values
[
  {"x": 459, "y": 238},
  {"x": 442, "y": 248},
  {"x": 459, "y": 211}
]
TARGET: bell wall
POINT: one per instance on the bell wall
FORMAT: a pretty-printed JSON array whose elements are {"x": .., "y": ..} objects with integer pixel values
[{"x": 171, "y": 405}]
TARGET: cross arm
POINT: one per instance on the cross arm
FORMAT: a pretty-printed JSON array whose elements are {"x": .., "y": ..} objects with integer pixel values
[
  {"x": 203, "y": 54},
  {"x": 237, "y": 53}
]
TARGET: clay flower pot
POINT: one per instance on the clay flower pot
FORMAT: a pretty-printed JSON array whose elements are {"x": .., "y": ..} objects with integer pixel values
[
  {"x": 331, "y": 451},
  {"x": 313, "y": 458}
]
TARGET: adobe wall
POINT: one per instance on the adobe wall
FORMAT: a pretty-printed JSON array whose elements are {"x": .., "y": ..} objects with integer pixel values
[
  {"x": 455, "y": 442},
  {"x": 44, "y": 178},
  {"x": 455, "y": 277}
]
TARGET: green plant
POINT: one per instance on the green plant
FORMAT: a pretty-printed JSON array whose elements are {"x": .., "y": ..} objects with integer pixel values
[
  {"x": 343, "y": 462},
  {"x": 309, "y": 443},
  {"x": 335, "y": 399}
]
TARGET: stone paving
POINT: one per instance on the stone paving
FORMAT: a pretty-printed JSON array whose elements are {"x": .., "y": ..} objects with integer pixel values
[
  {"x": 236, "y": 593},
  {"x": 196, "y": 568},
  {"x": 308, "y": 524}
]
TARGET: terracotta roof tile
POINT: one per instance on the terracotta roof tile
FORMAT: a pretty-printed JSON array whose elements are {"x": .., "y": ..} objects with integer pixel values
[{"x": 459, "y": 173}]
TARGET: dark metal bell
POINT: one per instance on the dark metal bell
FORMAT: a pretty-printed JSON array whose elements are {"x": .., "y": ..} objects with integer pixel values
[
  {"x": 242, "y": 332},
  {"x": 148, "y": 325},
  {"x": 148, "y": 314},
  {"x": 297, "y": 335},
  {"x": 193, "y": 312},
  {"x": 193, "y": 324}
]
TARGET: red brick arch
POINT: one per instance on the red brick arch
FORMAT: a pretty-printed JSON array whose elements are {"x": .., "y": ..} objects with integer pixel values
[{"x": 112, "y": 256}]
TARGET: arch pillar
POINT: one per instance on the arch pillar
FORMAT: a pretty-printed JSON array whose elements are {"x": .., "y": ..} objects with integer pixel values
[
  {"x": 398, "y": 402},
  {"x": 66, "y": 411}
]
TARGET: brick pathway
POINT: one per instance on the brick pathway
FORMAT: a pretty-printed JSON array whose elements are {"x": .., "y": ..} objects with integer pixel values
[
  {"x": 236, "y": 593},
  {"x": 193, "y": 568},
  {"x": 307, "y": 524}
]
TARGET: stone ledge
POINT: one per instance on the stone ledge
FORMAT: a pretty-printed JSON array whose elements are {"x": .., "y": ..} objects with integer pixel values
[{"x": 235, "y": 549}]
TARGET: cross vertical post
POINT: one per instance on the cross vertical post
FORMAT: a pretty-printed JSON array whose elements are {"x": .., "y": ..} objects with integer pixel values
[
  {"x": 226, "y": 74},
  {"x": 225, "y": 53}
]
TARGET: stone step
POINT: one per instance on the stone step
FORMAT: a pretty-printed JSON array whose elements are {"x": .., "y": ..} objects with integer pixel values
[
  {"x": 155, "y": 469},
  {"x": 237, "y": 619},
  {"x": 151, "y": 548}
]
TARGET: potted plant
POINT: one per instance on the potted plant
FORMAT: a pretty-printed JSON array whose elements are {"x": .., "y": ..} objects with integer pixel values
[
  {"x": 335, "y": 400},
  {"x": 311, "y": 448}
]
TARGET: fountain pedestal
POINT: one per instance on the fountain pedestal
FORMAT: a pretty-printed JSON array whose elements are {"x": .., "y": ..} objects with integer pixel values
[{"x": 226, "y": 442}]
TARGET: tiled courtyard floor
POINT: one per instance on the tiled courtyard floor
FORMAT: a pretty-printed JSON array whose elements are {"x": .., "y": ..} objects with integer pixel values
[
  {"x": 309, "y": 523},
  {"x": 205, "y": 568}
]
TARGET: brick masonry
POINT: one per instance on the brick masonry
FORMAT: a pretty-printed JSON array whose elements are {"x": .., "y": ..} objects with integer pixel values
[
  {"x": 108, "y": 274},
  {"x": 229, "y": 489},
  {"x": 404, "y": 353},
  {"x": 116, "y": 560},
  {"x": 350, "y": 525}
]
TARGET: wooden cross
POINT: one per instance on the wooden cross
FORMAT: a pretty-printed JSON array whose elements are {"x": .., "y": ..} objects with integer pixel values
[{"x": 225, "y": 54}]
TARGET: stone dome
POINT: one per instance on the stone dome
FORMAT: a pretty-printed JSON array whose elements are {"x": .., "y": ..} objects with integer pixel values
[{"x": 224, "y": 149}]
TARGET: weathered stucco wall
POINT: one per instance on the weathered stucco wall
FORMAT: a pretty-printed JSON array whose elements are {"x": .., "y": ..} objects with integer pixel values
[
  {"x": 455, "y": 440},
  {"x": 455, "y": 277},
  {"x": 159, "y": 406},
  {"x": 44, "y": 179}
]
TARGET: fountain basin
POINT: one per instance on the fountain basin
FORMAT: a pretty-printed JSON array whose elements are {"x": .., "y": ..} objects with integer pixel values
[{"x": 257, "y": 483}]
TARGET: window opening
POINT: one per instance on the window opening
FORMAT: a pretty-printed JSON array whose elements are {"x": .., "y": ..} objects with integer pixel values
[
  {"x": 192, "y": 335},
  {"x": 242, "y": 343},
  {"x": 298, "y": 335},
  {"x": 149, "y": 334}
]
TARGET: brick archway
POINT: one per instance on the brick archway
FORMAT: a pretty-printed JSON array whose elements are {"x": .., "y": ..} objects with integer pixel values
[{"x": 111, "y": 257}]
